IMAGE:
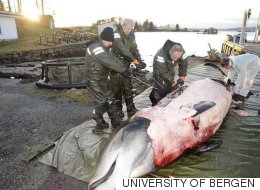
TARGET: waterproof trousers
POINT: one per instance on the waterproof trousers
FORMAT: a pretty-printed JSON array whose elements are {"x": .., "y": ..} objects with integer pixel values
[
  {"x": 122, "y": 87},
  {"x": 104, "y": 101},
  {"x": 243, "y": 87}
]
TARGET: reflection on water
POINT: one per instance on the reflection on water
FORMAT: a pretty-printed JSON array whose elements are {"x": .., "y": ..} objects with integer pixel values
[{"x": 239, "y": 154}]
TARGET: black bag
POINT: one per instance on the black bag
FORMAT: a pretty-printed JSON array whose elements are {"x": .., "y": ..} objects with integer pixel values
[{"x": 158, "y": 93}]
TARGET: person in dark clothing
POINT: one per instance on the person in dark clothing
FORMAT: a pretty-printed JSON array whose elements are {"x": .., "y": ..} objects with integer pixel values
[
  {"x": 99, "y": 60},
  {"x": 125, "y": 48},
  {"x": 164, "y": 63}
]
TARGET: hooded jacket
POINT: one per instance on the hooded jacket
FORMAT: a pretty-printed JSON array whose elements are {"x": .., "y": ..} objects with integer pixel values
[
  {"x": 163, "y": 66},
  {"x": 246, "y": 66}
]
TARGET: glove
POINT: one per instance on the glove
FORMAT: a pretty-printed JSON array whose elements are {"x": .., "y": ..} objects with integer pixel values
[
  {"x": 229, "y": 82},
  {"x": 141, "y": 65},
  {"x": 238, "y": 97},
  {"x": 127, "y": 73},
  {"x": 180, "y": 81},
  {"x": 250, "y": 93}
]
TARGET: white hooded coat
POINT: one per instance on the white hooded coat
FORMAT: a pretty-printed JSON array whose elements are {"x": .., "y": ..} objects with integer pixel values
[{"x": 246, "y": 66}]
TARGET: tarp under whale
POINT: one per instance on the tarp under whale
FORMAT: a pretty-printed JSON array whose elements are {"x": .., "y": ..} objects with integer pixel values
[{"x": 76, "y": 153}]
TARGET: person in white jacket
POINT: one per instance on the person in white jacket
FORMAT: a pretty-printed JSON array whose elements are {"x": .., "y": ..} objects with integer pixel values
[{"x": 246, "y": 66}]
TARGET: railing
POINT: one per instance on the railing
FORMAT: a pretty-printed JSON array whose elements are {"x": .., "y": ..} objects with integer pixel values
[{"x": 232, "y": 48}]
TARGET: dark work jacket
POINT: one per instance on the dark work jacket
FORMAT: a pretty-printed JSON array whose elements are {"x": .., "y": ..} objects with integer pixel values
[
  {"x": 163, "y": 66},
  {"x": 99, "y": 61},
  {"x": 125, "y": 47}
]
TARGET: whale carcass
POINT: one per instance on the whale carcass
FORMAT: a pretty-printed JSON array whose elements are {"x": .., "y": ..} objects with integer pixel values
[{"x": 155, "y": 136}]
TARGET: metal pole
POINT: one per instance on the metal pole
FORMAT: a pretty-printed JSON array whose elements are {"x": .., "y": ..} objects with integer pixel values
[
  {"x": 256, "y": 28},
  {"x": 241, "y": 40},
  {"x": 133, "y": 77},
  {"x": 69, "y": 73}
]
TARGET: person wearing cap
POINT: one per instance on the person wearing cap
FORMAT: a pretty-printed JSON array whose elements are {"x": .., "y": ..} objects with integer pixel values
[
  {"x": 246, "y": 66},
  {"x": 164, "y": 63},
  {"x": 99, "y": 60},
  {"x": 125, "y": 48}
]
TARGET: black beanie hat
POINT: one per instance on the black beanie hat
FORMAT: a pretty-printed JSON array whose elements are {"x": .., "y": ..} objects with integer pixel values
[{"x": 107, "y": 34}]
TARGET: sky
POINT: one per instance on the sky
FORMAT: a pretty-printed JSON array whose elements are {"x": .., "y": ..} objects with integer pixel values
[{"x": 186, "y": 13}]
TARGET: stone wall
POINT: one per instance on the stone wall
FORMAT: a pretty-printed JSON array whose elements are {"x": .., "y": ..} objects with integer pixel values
[{"x": 71, "y": 50}]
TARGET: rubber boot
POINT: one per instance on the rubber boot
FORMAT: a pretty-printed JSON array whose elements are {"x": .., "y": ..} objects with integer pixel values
[
  {"x": 131, "y": 110},
  {"x": 116, "y": 122},
  {"x": 101, "y": 126},
  {"x": 238, "y": 97}
]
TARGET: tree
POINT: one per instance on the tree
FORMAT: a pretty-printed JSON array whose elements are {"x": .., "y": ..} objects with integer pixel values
[
  {"x": 38, "y": 6},
  {"x": 19, "y": 3},
  {"x": 94, "y": 27},
  {"x": 151, "y": 26},
  {"x": 136, "y": 28},
  {"x": 112, "y": 19},
  {"x": 9, "y": 6},
  {"x": 146, "y": 24},
  {"x": 2, "y": 8},
  {"x": 168, "y": 27},
  {"x": 177, "y": 27}
]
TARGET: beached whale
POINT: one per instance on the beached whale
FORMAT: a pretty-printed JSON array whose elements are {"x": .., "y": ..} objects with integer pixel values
[{"x": 156, "y": 136}]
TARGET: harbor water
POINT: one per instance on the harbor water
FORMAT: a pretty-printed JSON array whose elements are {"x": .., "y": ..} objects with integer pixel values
[{"x": 194, "y": 43}]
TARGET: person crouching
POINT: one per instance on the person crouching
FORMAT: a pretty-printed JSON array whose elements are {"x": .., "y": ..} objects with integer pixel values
[{"x": 246, "y": 66}]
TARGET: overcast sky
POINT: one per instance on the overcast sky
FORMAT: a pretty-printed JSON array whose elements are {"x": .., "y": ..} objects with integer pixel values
[{"x": 186, "y": 13}]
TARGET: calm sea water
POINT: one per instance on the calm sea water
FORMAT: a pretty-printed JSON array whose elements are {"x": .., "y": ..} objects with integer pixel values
[{"x": 194, "y": 44}]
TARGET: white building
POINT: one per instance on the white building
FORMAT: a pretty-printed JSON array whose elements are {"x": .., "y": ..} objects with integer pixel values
[
  {"x": 8, "y": 29},
  {"x": 101, "y": 27}
]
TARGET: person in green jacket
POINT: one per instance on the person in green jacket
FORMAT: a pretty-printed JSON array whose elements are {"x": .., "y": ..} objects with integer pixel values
[
  {"x": 164, "y": 63},
  {"x": 99, "y": 60},
  {"x": 125, "y": 48}
]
